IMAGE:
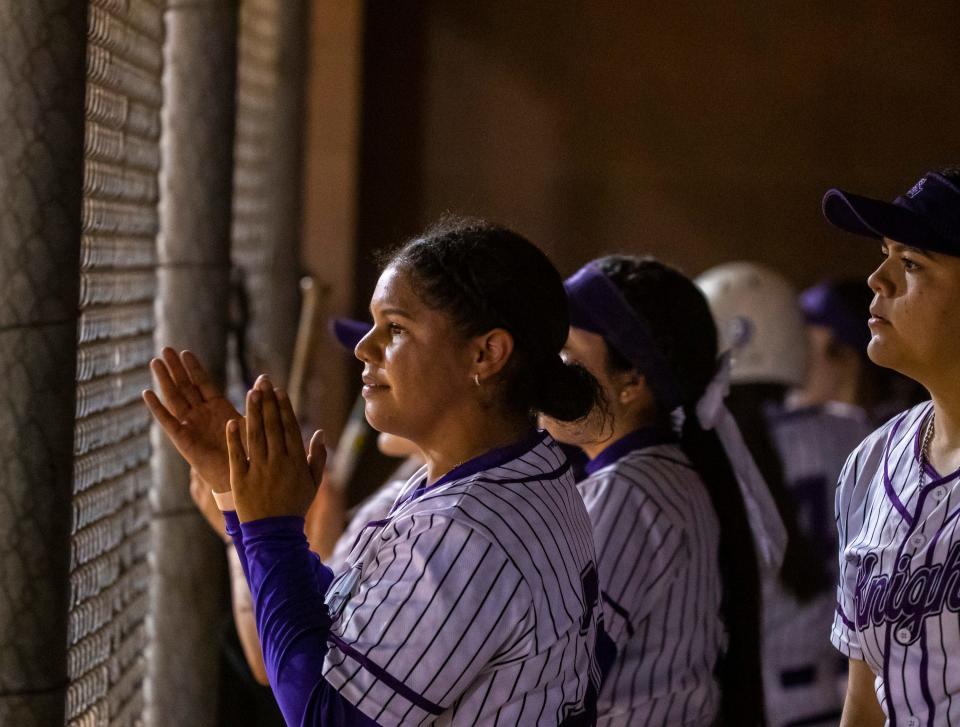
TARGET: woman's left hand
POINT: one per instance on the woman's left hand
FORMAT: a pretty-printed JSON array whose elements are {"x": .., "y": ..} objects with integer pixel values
[{"x": 272, "y": 476}]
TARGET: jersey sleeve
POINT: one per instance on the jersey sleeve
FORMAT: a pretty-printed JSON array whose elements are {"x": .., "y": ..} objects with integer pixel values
[
  {"x": 288, "y": 583},
  {"x": 844, "y": 635},
  {"x": 436, "y": 604},
  {"x": 640, "y": 552}
]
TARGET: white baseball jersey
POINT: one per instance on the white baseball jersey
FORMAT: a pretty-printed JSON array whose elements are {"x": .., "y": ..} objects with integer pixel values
[
  {"x": 803, "y": 674},
  {"x": 474, "y": 601},
  {"x": 899, "y": 586},
  {"x": 375, "y": 507},
  {"x": 657, "y": 538}
]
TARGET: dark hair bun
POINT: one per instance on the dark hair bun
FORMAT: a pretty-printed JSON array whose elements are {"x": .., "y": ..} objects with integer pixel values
[{"x": 563, "y": 391}]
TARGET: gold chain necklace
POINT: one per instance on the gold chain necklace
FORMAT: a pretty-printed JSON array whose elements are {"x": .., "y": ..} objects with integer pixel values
[{"x": 925, "y": 447}]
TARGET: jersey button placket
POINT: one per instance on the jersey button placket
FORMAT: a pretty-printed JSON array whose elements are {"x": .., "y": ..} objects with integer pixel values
[
  {"x": 903, "y": 636},
  {"x": 912, "y": 722}
]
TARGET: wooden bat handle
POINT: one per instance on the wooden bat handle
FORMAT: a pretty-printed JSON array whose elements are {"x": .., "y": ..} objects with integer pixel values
[{"x": 306, "y": 333}]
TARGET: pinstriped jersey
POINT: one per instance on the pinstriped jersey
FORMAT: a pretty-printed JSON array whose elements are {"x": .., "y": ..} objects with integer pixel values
[
  {"x": 475, "y": 600},
  {"x": 801, "y": 668},
  {"x": 898, "y": 597},
  {"x": 657, "y": 540},
  {"x": 375, "y": 507}
]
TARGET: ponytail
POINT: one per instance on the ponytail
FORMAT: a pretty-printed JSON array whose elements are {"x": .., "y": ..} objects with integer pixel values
[
  {"x": 738, "y": 669},
  {"x": 803, "y": 573}
]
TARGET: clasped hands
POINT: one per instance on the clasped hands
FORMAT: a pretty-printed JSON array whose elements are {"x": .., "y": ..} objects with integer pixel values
[{"x": 260, "y": 456}]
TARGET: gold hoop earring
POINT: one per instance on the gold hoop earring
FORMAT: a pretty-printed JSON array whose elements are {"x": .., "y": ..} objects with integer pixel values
[{"x": 476, "y": 379}]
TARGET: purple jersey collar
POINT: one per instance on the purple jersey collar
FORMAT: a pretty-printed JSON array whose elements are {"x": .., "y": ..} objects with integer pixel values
[
  {"x": 637, "y": 439},
  {"x": 598, "y": 306},
  {"x": 486, "y": 461}
]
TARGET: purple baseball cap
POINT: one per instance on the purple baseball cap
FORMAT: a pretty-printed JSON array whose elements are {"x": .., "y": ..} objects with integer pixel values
[
  {"x": 842, "y": 306},
  {"x": 926, "y": 217},
  {"x": 348, "y": 332}
]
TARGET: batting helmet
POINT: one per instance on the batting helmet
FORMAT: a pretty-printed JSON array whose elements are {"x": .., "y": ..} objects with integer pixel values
[{"x": 759, "y": 321}]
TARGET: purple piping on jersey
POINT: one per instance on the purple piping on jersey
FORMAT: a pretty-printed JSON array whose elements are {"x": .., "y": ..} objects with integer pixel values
[
  {"x": 924, "y": 655},
  {"x": 486, "y": 461},
  {"x": 391, "y": 681},
  {"x": 924, "y": 678},
  {"x": 637, "y": 439},
  {"x": 892, "y": 495},
  {"x": 887, "y": 484},
  {"x": 371, "y": 524},
  {"x": 935, "y": 478},
  {"x": 843, "y": 617},
  {"x": 931, "y": 548},
  {"x": 567, "y": 466}
]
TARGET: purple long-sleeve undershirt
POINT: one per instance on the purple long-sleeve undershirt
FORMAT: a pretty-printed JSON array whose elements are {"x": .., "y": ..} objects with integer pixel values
[{"x": 288, "y": 584}]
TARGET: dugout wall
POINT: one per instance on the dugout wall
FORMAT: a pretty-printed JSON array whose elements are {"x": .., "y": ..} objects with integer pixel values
[{"x": 116, "y": 222}]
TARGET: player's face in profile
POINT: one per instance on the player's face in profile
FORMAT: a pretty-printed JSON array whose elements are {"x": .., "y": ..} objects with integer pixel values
[
  {"x": 915, "y": 313},
  {"x": 590, "y": 351},
  {"x": 414, "y": 368}
]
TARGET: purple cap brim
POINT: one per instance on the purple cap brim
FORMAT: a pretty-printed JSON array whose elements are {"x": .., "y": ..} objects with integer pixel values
[
  {"x": 596, "y": 305},
  {"x": 348, "y": 332},
  {"x": 876, "y": 219}
]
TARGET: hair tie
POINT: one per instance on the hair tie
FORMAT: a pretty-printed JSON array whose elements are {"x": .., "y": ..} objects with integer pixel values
[{"x": 711, "y": 403}]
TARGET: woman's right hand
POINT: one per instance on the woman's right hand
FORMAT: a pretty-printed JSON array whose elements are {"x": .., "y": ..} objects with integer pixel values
[{"x": 193, "y": 414}]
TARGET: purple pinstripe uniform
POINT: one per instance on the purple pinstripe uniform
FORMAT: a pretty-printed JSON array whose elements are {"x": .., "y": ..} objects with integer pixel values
[
  {"x": 899, "y": 587},
  {"x": 657, "y": 538},
  {"x": 475, "y": 601},
  {"x": 801, "y": 676},
  {"x": 470, "y": 604}
]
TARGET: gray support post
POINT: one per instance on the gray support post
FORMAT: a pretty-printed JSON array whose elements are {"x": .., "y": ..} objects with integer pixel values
[
  {"x": 186, "y": 601},
  {"x": 284, "y": 303},
  {"x": 42, "y": 48}
]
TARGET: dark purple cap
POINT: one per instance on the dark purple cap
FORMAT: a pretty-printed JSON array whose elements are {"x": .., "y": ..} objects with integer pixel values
[
  {"x": 841, "y": 306},
  {"x": 597, "y": 305},
  {"x": 348, "y": 331},
  {"x": 927, "y": 217}
]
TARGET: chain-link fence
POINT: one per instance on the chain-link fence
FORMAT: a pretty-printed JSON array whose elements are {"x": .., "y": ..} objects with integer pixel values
[
  {"x": 110, "y": 538},
  {"x": 116, "y": 222}
]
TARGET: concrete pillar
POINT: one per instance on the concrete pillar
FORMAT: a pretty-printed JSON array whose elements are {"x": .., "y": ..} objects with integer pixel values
[
  {"x": 283, "y": 305},
  {"x": 187, "y": 600},
  {"x": 42, "y": 48}
]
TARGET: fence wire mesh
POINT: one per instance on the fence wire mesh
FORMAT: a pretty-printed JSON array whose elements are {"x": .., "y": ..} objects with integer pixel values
[{"x": 109, "y": 570}]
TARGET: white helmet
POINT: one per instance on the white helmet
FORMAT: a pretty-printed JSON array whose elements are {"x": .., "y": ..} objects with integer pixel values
[{"x": 759, "y": 321}]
